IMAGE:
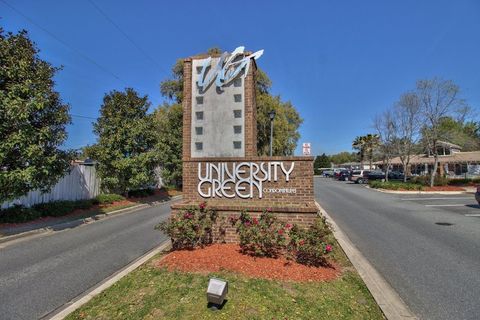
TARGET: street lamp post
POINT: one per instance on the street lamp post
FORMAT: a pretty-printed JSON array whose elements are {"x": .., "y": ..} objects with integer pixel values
[{"x": 272, "y": 116}]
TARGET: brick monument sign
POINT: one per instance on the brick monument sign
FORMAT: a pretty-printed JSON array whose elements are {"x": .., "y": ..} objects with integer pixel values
[{"x": 220, "y": 161}]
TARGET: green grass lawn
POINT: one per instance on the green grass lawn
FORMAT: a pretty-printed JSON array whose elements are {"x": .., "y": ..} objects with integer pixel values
[{"x": 155, "y": 293}]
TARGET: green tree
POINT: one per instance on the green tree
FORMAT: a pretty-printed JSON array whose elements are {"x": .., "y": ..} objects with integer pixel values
[
  {"x": 33, "y": 119},
  {"x": 169, "y": 119},
  {"x": 286, "y": 124},
  {"x": 344, "y": 157},
  {"x": 322, "y": 161},
  {"x": 126, "y": 140},
  {"x": 464, "y": 134}
]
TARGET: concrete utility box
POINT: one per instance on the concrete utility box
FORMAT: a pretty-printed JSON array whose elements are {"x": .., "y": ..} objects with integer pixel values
[{"x": 217, "y": 291}]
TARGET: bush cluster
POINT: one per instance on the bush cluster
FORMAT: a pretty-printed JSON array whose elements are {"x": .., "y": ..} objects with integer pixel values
[
  {"x": 140, "y": 193},
  {"x": 190, "y": 228},
  {"x": 18, "y": 214},
  {"x": 61, "y": 208},
  {"x": 394, "y": 185},
  {"x": 310, "y": 246},
  {"x": 425, "y": 180},
  {"x": 108, "y": 198},
  {"x": 267, "y": 236}
]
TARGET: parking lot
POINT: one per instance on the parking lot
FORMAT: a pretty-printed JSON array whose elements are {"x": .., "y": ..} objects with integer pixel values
[
  {"x": 425, "y": 245},
  {"x": 462, "y": 204}
]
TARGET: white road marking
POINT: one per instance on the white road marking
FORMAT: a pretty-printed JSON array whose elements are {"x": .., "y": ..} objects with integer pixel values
[
  {"x": 425, "y": 199},
  {"x": 445, "y": 205},
  {"x": 472, "y": 215}
]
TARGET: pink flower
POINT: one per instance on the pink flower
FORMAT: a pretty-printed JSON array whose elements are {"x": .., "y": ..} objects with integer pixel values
[
  {"x": 255, "y": 221},
  {"x": 269, "y": 209},
  {"x": 203, "y": 205},
  {"x": 247, "y": 223},
  {"x": 302, "y": 242},
  {"x": 280, "y": 231},
  {"x": 328, "y": 248},
  {"x": 288, "y": 226},
  {"x": 187, "y": 215}
]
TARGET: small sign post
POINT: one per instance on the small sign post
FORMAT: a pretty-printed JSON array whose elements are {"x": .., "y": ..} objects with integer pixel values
[{"x": 307, "y": 149}]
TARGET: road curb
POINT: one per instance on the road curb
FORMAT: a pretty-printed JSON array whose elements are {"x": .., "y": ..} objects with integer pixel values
[
  {"x": 78, "y": 222},
  {"x": 392, "y": 305},
  {"x": 88, "y": 295},
  {"x": 417, "y": 192}
]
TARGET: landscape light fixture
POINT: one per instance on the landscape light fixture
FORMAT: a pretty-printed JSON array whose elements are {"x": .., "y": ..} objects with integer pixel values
[
  {"x": 216, "y": 292},
  {"x": 271, "y": 114}
]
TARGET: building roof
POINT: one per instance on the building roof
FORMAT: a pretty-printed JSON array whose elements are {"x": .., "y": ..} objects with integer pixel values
[
  {"x": 448, "y": 145},
  {"x": 456, "y": 157}
]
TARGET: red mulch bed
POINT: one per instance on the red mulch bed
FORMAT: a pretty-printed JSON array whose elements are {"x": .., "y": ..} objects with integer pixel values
[
  {"x": 219, "y": 257},
  {"x": 444, "y": 188}
]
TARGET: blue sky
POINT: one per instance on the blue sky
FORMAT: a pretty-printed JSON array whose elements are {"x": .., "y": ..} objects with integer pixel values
[{"x": 338, "y": 62}]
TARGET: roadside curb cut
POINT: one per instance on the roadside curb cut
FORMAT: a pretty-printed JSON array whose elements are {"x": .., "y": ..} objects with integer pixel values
[
  {"x": 391, "y": 304},
  {"x": 88, "y": 295},
  {"x": 78, "y": 222}
]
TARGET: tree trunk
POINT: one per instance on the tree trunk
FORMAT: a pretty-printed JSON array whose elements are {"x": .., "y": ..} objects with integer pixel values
[
  {"x": 386, "y": 171},
  {"x": 434, "y": 172},
  {"x": 405, "y": 167}
]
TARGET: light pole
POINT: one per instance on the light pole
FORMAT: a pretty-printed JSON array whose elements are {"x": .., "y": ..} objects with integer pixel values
[{"x": 272, "y": 116}]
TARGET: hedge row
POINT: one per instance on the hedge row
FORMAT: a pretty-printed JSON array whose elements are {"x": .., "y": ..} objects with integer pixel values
[
  {"x": 19, "y": 214},
  {"x": 394, "y": 185}
]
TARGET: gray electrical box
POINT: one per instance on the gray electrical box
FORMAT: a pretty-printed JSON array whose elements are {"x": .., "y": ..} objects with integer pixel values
[{"x": 217, "y": 291}]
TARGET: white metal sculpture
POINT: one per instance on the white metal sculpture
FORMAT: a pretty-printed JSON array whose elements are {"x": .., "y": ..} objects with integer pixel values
[{"x": 227, "y": 68}]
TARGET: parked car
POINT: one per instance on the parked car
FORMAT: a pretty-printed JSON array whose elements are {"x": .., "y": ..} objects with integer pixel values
[
  {"x": 333, "y": 172},
  {"x": 395, "y": 175},
  {"x": 376, "y": 175},
  {"x": 344, "y": 175},
  {"x": 477, "y": 195},
  {"x": 359, "y": 176}
]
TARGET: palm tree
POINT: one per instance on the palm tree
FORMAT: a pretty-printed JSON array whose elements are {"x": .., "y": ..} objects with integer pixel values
[
  {"x": 359, "y": 144},
  {"x": 366, "y": 145},
  {"x": 371, "y": 142}
]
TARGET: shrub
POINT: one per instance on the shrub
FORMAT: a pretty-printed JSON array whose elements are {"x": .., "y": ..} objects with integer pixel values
[
  {"x": 456, "y": 182},
  {"x": 55, "y": 208},
  {"x": 265, "y": 236},
  {"x": 190, "y": 228},
  {"x": 18, "y": 214},
  {"x": 140, "y": 193},
  {"x": 107, "y": 198},
  {"x": 63, "y": 207},
  {"x": 394, "y": 185},
  {"x": 310, "y": 246},
  {"x": 425, "y": 180}
]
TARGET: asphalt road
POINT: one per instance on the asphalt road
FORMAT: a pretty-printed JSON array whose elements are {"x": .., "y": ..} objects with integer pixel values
[
  {"x": 434, "y": 268},
  {"x": 39, "y": 275}
]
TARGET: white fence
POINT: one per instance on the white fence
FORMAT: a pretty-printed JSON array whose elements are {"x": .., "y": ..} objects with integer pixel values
[{"x": 81, "y": 183}]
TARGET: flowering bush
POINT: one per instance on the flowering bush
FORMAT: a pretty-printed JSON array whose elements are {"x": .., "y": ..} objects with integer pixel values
[
  {"x": 310, "y": 246},
  {"x": 267, "y": 236},
  {"x": 260, "y": 237},
  {"x": 191, "y": 227}
]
